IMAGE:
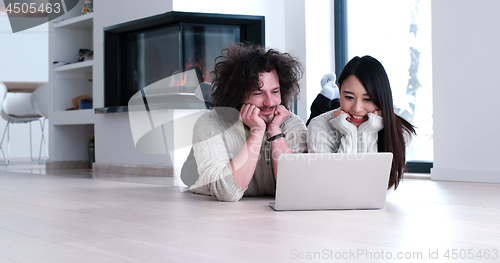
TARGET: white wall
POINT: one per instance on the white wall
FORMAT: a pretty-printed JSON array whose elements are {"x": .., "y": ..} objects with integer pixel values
[
  {"x": 24, "y": 58},
  {"x": 466, "y": 55}
]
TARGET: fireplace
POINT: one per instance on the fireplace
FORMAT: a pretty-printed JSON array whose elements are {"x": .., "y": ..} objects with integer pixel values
[{"x": 141, "y": 52}]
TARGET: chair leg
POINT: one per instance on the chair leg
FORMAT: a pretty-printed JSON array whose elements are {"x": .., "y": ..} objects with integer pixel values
[
  {"x": 42, "y": 142},
  {"x": 31, "y": 144},
  {"x": 1, "y": 143},
  {"x": 8, "y": 143}
]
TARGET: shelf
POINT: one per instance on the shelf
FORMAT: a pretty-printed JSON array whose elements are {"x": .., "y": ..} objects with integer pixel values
[
  {"x": 77, "y": 22},
  {"x": 72, "y": 117},
  {"x": 77, "y": 67},
  {"x": 71, "y": 130}
]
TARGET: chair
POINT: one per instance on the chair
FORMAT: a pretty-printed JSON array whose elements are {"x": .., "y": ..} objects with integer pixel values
[
  {"x": 3, "y": 92},
  {"x": 17, "y": 108},
  {"x": 41, "y": 103}
]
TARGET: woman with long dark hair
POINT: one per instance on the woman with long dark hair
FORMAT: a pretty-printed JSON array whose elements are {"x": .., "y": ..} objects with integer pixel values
[{"x": 365, "y": 121}]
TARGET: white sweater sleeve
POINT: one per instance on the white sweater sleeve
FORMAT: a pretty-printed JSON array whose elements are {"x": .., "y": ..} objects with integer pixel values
[
  {"x": 211, "y": 145},
  {"x": 295, "y": 134},
  {"x": 337, "y": 135},
  {"x": 323, "y": 137},
  {"x": 368, "y": 134},
  {"x": 349, "y": 134}
]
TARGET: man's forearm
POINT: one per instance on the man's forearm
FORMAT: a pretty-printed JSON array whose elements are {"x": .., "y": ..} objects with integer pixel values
[
  {"x": 243, "y": 165},
  {"x": 278, "y": 146}
]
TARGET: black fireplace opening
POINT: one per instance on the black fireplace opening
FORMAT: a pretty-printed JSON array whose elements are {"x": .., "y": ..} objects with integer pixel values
[{"x": 141, "y": 52}]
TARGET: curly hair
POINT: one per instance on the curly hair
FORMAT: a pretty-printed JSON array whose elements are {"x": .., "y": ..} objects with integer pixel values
[{"x": 236, "y": 74}]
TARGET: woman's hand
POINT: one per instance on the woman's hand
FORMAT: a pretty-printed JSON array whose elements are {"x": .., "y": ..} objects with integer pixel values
[
  {"x": 337, "y": 113},
  {"x": 378, "y": 112}
]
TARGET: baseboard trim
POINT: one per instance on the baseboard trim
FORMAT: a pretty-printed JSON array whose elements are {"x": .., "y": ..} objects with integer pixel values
[
  {"x": 139, "y": 170},
  {"x": 66, "y": 165},
  {"x": 446, "y": 174}
]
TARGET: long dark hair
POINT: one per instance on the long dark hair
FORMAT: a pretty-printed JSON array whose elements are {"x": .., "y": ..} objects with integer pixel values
[
  {"x": 370, "y": 72},
  {"x": 236, "y": 74}
]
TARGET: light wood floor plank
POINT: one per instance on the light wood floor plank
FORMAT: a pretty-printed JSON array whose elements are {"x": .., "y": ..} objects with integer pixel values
[{"x": 48, "y": 218}]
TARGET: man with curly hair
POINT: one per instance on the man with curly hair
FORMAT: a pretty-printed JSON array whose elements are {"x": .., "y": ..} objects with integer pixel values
[{"x": 237, "y": 144}]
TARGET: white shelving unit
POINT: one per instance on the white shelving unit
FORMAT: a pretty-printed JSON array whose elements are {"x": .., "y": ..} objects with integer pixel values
[
  {"x": 70, "y": 129},
  {"x": 73, "y": 117},
  {"x": 78, "y": 22},
  {"x": 79, "y": 67}
]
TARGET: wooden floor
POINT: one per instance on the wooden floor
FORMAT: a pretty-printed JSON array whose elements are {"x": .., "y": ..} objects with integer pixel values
[{"x": 69, "y": 217}]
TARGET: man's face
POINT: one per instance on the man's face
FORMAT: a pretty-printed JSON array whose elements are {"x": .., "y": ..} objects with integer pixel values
[{"x": 268, "y": 97}]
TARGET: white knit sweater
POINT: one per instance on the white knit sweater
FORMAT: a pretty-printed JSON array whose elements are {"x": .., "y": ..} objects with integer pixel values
[
  {"x": 216, "y": 142},
  {"x": 326, "y": 134}
]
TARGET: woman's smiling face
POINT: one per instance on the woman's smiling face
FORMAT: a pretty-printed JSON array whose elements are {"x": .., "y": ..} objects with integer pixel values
[{"x": 354, "y": 100}]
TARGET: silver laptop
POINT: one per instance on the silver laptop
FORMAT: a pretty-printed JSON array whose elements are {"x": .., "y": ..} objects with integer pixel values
[{"x": 322, "y": 181}]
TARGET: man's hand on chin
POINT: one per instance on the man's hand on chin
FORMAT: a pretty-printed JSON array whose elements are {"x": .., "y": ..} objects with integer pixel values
[
  {"x": 249, "y": 114},
  {"x": 280, "y": 115}
]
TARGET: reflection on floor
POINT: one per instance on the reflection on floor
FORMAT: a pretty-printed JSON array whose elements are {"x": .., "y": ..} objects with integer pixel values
[{"x": 23, "y": 165}]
